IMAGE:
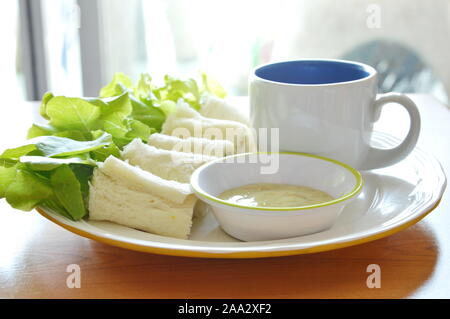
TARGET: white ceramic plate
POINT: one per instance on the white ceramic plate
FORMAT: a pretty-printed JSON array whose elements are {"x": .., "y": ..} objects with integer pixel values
[{"x": 392, "y": 199}]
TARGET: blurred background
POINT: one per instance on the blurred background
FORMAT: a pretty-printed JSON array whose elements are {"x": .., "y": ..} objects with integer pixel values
[{"x": 73, "y": 47}]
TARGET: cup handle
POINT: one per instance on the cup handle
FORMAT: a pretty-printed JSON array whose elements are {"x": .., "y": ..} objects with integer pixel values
[{"x": 377, "y": 158}]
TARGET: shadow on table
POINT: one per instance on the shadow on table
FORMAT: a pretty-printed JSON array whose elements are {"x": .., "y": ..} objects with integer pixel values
[{"x": 407, "y": 259}]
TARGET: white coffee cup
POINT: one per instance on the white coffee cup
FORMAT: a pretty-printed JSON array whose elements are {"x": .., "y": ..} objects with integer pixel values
[{"x": 327, "y": 107}]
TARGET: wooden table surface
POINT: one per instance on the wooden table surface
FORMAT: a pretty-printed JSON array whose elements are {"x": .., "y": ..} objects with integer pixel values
[{"x": 415, "y": 263}]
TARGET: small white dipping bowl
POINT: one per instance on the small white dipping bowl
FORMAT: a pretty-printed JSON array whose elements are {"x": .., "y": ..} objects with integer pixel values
[{"x": 247, "y": 223}]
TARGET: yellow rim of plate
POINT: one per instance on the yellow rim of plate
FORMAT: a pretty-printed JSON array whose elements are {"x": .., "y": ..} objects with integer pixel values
[
  {"x": 241, "y": 254},
  {"x": 359, "y": 182}
]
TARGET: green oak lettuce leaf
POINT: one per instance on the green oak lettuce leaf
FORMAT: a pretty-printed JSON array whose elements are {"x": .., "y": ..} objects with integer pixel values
[
  {"x": 175, "y": 89},
  {"x": 151, "y": 104},
  {"x": 102, "y": 153},
  {"x": 69, "y": 113},
  {"x": 42, "y": 163},
  {"x": 84, "y": 114},
  {"x": 141, "y": 98},
  {"x": 114, "y": 114},
  {"x": 40, "y": 130},
  {"x": 7, "y": 162},
  {"x": 147, "y": 113},
  {"x": 73, "y": 135},
  {"x": 143, "y": 89},
  {"x": 43, "y": 108},
  {"x": 140, "y": 130},
  {"x": 54, "y": 205},
  {"x": 27, "y": 190},
  {"x": 168, "y": 107},
  {"x": 52, "y": 172},
  {"x": 45, "y": 130},
  {"x": 7, "y": 175},
  {"x": 120, "y": 83},
  {"x": 16, "y": 153},
  {"x": 212, "y": 86},
  {"x": 140, "y": 107},
  {"x": 119, "y": 104},
  {"x": 54, "y": 146},
  {"x": 115, "y": 125},
  {"x": 124, "y": 111},
  {"x": 83, "y": 174},
  {"x": 67, "y": 190}
]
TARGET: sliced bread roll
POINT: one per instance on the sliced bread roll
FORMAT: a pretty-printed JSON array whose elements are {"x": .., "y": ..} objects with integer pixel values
[
  {"x": 169, "y": 165},
  {"x": 141, "y": 180},
  {"x": 132, "y": 197},
  {"x": 185, "y": 122},
  {"x": 218, "y": 108},
  {"x": 195, "y": 145}
]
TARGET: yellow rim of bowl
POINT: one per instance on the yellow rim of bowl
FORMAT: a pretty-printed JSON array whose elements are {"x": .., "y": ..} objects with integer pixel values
[{"x": 358, "y": 185}]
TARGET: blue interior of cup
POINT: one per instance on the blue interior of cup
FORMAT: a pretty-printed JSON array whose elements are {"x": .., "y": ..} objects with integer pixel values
[{"x": 313, "y": 72}]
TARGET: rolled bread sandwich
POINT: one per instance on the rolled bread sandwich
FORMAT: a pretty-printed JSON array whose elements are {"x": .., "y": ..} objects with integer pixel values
[
  {"x": 129, "y": 196},
  {"x": 218, "y": 108},
  {"x": 195, "y": 145},
  {"x": 186, "y": 122},
  {"x": 167, "y": 164}
]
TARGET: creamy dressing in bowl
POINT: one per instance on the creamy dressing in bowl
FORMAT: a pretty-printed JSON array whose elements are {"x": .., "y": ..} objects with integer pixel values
[{"x": 275, "y": 195}]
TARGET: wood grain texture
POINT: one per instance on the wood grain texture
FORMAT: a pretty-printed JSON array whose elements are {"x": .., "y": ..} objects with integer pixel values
[{"x": 34, "y": 254}]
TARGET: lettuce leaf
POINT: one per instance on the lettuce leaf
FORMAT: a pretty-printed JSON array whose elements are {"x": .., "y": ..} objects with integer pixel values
[
  {"x": 175, "y": 89},
  {"x": 7, "y": 175},
  {"x": 53, "y": 146},
  {"x": 148, "y": 114},
  {"x": 51, "y": 171},
  {"x": 37, "y": 130},
  {"x": 40, "y": 130},
  {"x": 102, "y": 153},
  {"x": 67, "y": 190},
  {"x": 55, "y": 206},
  {"x": 119, "y": 84},
  {"x": 42, "y": 163},
  {"x": 140, "y": 130},
  {"x": 83, "y": 174},
  {"x": 144, "y": 87},
  {"x": 43, "y": 108},
  {"x": 73, "y": 114},
  {"x": 212, "y": 86},
  {"x": 16, "y": 153},
  {"x": 27, "y": 190},
  {"x": 64, "y": 189}
]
